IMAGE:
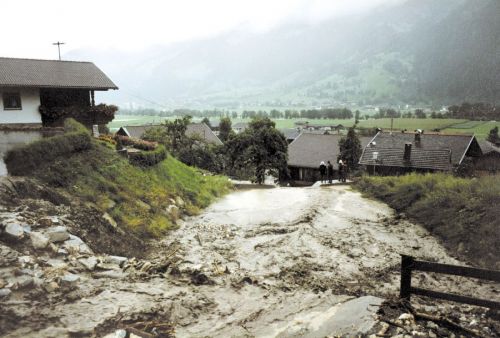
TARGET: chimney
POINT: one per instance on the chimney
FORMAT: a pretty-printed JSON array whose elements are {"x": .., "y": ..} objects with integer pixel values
[
  {"x": 418, "y": 134},
  {"x": 407, "y": 154}
]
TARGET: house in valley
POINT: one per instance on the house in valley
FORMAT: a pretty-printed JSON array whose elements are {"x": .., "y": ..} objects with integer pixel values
[
  {"x": 307, "y": 151},
  {"x": 489, "y": 162},
  {"x": 45, "y": 92},
  {"x": 401, "y": 152},
  {"x": 200, "y": 130}
]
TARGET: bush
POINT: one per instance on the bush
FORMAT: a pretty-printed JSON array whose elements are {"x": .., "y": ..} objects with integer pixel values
[
  {"x": 24, "y": 159},
  {"x": 462, "y": 212},
  {"x": 148, "y": 158},
  {"x": 135, "y": 142}
]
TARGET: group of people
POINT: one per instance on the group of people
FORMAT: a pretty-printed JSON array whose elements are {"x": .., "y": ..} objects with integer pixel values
[{"x": 326, "y": 171}]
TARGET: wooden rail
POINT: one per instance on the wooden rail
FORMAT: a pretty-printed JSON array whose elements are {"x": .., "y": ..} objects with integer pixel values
[{"x": 409, "y": 264}]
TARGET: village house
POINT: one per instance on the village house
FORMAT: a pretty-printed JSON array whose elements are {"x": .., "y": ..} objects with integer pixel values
[
  {"x": 240, "y": 127},
  {"x": 400, "y": 152},
  {"x": 307, "y": 151},
  {"x": 200, "y": 130},
  {"x": 44, "y": 92},
  {"x": 489, "y": 162}
]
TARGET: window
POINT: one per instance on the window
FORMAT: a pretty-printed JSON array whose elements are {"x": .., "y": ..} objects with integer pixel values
[{"x": 12, "y": 101}]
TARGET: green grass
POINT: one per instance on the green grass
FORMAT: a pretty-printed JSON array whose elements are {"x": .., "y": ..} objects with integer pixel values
[
  {"x": 461, "y": 212},
  {"x": 450, "y": 126},
  {"x": 136, "y": 198}
]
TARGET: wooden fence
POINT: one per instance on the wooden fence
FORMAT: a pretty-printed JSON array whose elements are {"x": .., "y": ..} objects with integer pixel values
[{"x": 409, "y": 264}]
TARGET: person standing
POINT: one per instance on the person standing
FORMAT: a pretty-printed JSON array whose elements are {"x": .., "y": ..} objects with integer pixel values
[
  {"x": 322, "y": 171},
  {"x": 329, "y": 170},
  {"x": 341, "y": 170}
]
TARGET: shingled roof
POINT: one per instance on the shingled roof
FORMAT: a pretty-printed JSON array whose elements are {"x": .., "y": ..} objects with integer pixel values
[
  {"x": 52, "y": 74},
  {"x": 309, "y": 149},
  {"x": 436, "y": 159},
  {"x": 193, "y": 129},
  {"x": 433, "y": 151}
]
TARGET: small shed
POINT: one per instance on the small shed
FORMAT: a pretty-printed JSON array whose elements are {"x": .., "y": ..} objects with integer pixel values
[{"x": 489, "y": 162}]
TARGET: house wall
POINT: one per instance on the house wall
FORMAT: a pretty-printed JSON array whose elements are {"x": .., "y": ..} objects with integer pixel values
[
  {"x": 30, "y": 101},
  {"x": 487, "y": 164}
]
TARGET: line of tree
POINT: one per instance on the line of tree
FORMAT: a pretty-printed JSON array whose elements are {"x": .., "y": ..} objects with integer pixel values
[{"x": 258, "y": 151}]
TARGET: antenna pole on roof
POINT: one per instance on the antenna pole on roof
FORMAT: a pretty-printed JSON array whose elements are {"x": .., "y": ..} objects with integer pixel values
[{"x": 59, "y": 48}]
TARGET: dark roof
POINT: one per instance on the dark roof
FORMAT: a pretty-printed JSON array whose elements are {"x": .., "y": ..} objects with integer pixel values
[
  {"x": 488, "y": 147},
  {"x": 436, "y": 159},
  {"x": 200, "y": 129},
  {"x": 204, "y": 131},
  {"x": 389, "y": 145},
  {"x": 290, "y": 133},
  {"x": 52, "y": 74},
  {"x": 309, "y": 149}
]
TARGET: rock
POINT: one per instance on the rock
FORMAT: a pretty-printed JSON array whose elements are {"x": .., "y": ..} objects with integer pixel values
[
  {"x": 57, "y": 234},
  {"x": 431, "y": 325},
  {"x": 4, "y": 293},
  {"x": 57, "y": 263},
  {"x": 115, "y": 274},
  {"x": 8, "y": 256},
  {"x": 431, "y": 334},
  {"x": 179, "y": 201},
  {"x": 89, "y": 263},
  {"x": 2, "y": 283},
  {"x": 45, "y": 222},
  {"x": 39, "y": 240},
  {"x": 75, "y": 245},
  {"x": 50, "y": 286},
  {"x": 117, "y": 334},
  {"x": 24, "y": 282},
  {"x": 70, "y": 279},
  {"x": 14, "y": 231},
  {"x": 173, "y": 210},
  {"x": 406, "y": 316},
  {"x": 109, "y": 219},
  {"x": 118, "y": 260}
]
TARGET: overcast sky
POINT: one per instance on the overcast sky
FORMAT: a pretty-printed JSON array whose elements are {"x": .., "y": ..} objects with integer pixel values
[{"x": 31, "y": 26}]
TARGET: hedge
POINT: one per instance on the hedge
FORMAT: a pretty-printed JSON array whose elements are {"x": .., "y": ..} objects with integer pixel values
[
  {"x": 148, "y": 158},
  {"x": 24, "y": 159},
  {"x": 135, "y": 142}
]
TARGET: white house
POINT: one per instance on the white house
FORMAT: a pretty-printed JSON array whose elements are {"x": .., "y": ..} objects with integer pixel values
[{"x": 27, "y": 85}]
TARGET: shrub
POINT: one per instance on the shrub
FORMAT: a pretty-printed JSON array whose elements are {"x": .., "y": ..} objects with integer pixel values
[
  {"x": 24, "y": 159},
  {"x": 135, "y": 142},
  {"x": 148, "y": 158}
]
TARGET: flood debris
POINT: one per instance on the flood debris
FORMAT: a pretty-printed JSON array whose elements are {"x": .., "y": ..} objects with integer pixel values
[{"x": 268, "y": 262}]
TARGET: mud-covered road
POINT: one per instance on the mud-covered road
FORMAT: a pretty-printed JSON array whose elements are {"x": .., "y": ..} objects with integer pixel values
[{"x": 263, "y": 262}]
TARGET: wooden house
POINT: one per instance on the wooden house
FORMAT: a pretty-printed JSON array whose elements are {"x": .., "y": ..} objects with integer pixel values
[
  {"x": 400, "y": 152},
  {"x": 307, "y": 151},
  {"x": 44, "y": 92},
  {"x": 489, "y": 162}
]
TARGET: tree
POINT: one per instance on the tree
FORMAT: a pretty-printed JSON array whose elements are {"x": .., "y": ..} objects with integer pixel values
[
  {"x": 207, "y": 122},
  {"x": 261, "y": 149},
  {"x": 356, "y": 116},
  {"x": 493, "y": 136},
  {"x": 350, "y": 149},
  {"x": 419, "y": 114},
  {"x": 225, "y": 129},
  {"x": 172, "y": 134}
]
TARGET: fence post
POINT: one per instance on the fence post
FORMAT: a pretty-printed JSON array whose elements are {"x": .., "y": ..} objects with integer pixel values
[{"x": 405, "y": 288}]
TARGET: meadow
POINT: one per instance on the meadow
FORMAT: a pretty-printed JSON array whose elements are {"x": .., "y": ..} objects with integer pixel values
[{"x": 450, "y": 126}]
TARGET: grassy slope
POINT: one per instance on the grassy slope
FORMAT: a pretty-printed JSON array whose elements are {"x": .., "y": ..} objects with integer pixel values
[
  {"x": 462, "y": 212},
  {"x": 136, "y": 198}
]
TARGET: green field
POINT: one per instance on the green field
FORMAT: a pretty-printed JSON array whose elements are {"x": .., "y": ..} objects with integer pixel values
[{"x": 451, "y": 126}]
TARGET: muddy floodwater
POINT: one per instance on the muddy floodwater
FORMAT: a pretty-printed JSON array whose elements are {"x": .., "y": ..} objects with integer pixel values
[{"x": 265, "y": 262}]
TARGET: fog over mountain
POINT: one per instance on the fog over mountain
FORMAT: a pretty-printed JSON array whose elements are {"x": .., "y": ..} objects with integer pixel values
[{"x": 410, "y": 52}]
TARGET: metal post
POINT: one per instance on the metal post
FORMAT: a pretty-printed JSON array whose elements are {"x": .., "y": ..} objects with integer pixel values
[{"x": 406, "y": 266}]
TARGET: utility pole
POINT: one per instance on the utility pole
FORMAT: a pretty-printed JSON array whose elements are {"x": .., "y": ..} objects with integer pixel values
[{"x": 59, "y": 48}]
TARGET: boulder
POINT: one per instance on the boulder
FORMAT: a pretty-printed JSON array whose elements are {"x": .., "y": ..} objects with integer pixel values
[
  {"x": 70, "y": 279},
  {"x": 23, "y": 282},
  {"x": 179, "y": 201},
  {"x": 75, "y": 245},
  {"x": 89, "y": 263},
  {"x": 109, "y": 219},
  {"x": 118, "y": 260},
  {"x": 45, "y": 222},
  {"x": 57, "y": 234},
  {"x": 50, "y": 286},
  {"x": 39, "y": 240},
  {"x": 5, "y": 293},
  {"x": 14, "y": 231}
]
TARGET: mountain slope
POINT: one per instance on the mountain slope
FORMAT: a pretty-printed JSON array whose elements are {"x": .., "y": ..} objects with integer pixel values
[{"x": 420, "y": 51}]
